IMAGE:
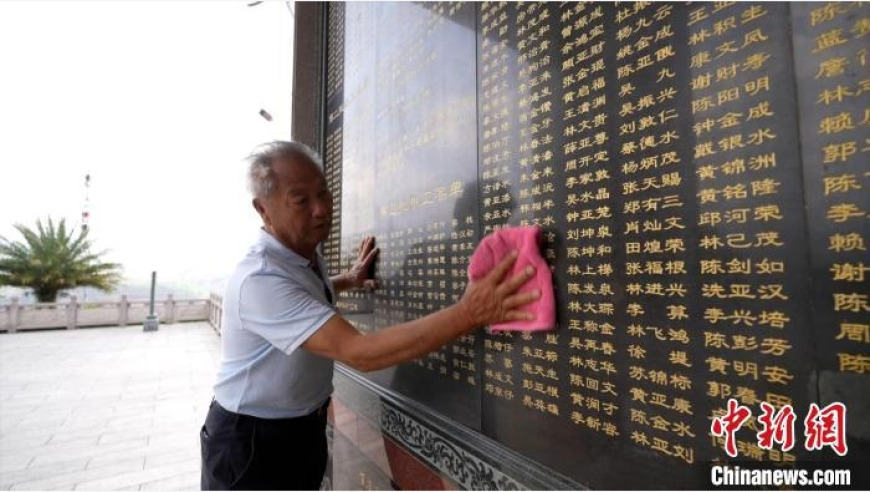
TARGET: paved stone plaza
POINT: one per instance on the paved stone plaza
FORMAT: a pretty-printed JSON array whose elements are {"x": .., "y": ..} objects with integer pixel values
[{"x": 104, "y": 408}]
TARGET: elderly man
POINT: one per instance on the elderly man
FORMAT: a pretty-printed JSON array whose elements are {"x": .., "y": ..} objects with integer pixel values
[{"x": 265, "y": 428}]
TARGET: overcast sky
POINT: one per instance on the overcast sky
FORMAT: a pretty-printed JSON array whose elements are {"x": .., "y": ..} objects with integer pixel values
[{"x": 159, "y": 102}]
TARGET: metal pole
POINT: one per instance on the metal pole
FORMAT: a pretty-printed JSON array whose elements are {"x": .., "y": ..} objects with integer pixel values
[
  {"x": 153, "y": 285},
  {"x": 151, "y": 321}
]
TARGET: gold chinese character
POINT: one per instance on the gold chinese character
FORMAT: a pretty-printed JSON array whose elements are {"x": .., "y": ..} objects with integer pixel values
[
  {"x": 826, "y": 13},
  {"x": 842, "y": 183},
  {"x": 636, "y": 352},
  {"x": 778, "y": 400},
  {"x": 856, "y": 332},
  {"x": 828, "y": 39},
  {"x": 753, "y": 87},
  {"x": 766, "y": 238},
  {"x": 697, "y": 15},
  {"x": 775, "y": 346},
  {"x": 754, "y": 36},
  {"x": 726, "y": 47},
  {"x": 836, "y": 124},
  {"x": 717, "y": 364},
  {"x": 765, "y": 213},
  {"x": 760, "y": 136},
  {"x": 849, "y": 272},
  {"x": 700, "y": 59},
  {"x": 715, "y": 340},
  {"x": 771, "y": 291},
  {"x": 746, "y": 368},
  {"x": 838, "y": 152},
  {"x": 842, "y": 212},
  {"x": 857, "y": 363},
  {"x": 837, "y": 94},
  {"x": 832, "y": 67},
  {"x": 846, "y": 242},
  {"x": 763, "y": 161},
  {"x": 680, "y": 358},
  {"x": 752, "y": 13},
  {"x": 676, "y": 311},
  {"x": 743, "y": 342},
  {"x": 729, "y": 120},
  {"x": 852, "y": 302},
  {"x": 764, "y": 187},
  {"x": 861, "y": 27},
  {"x": 665, "y": 73},
  {"x": 775, "y": 319}
]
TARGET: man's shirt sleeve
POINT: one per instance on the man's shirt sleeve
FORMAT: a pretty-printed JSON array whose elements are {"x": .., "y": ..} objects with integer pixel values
[{"x": 280, "y": 310}]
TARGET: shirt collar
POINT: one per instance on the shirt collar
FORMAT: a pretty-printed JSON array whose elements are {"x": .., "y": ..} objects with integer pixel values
[{"x": 271, "y": 243}]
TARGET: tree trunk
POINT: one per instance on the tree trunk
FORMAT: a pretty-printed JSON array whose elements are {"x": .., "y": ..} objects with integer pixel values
[{"x": 46, "y": 295}]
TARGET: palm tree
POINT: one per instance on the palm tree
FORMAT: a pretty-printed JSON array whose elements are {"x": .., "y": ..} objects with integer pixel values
[{"x": 52, "y": 259}]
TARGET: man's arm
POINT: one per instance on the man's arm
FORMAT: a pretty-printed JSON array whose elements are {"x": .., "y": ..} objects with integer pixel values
[
  {"x": 489, "y": 300},
  {"x": 358, "y": 275}
]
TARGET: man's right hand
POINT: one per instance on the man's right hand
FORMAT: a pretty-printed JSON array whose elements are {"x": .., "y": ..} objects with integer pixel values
[{"x": 494, "y": 299}]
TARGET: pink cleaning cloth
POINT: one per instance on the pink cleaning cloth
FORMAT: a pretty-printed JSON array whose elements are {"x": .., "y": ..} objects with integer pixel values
[{"x": 526, "y": 240}]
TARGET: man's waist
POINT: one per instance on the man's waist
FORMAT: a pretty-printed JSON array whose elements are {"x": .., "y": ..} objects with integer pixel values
[{"x": 317, "y": 413}]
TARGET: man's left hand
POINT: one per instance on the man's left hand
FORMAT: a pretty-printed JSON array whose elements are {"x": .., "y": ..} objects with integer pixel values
[{"x": 359, "y": 273}]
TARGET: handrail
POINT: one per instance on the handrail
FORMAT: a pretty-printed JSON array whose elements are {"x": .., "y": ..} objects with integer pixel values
[{"x": 72, "y": 314}]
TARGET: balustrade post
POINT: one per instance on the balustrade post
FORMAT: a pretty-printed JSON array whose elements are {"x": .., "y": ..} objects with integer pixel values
[
  {"x": 72, "y": 313},
  {"x": 14, "y": 315},
  {"x": 170, "y": 309},
  {"x": 211, "y": 309},
  {"x": 123, "y": 311}
]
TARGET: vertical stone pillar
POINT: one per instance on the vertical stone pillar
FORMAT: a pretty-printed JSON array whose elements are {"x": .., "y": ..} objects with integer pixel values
[
  {"x": 170, "y": 309},
  {"x": 14, "y": 315},
  {"x": 212, "y": 311},
  {"x": 123, "y": 311},
  {"x": 151, "y": 322},
  {"x": 72, "y": 312},
  {"x": 218, "y": 315}
]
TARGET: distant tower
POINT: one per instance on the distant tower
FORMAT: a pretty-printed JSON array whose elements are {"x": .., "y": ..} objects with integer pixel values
[
  {"x": 86, "y": 211},
  {"x": 86, "y": 215}
]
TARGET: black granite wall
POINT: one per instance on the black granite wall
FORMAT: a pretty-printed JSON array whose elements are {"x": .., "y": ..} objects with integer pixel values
[{"x": 701, "y": 174}]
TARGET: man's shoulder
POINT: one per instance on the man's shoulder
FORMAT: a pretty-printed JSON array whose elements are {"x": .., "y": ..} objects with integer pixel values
[
  {"x": 261, "y": 260},
  {"x": 262, "y": 268}
]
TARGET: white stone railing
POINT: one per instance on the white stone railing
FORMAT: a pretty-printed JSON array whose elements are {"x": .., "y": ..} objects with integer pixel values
[
  {"x": 73, "y": 314},
  {"x": 215, "y": 308}
]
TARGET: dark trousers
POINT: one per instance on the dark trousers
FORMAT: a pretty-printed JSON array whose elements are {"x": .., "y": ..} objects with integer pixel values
[{"x": 240, "y": 452}]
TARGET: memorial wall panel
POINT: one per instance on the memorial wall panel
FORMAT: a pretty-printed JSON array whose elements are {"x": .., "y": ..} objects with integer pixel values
[
  {"x": 831, "y": 42},
  {"x": 700, "y": 172},
  {"x": 410, "y": 179}
]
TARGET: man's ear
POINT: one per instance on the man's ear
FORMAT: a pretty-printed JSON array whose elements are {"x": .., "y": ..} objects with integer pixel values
[{"x": 261, "y": 209}]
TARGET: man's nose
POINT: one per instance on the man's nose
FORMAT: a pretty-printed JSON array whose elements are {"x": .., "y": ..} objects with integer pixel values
[{"x": 322, "y": 208}]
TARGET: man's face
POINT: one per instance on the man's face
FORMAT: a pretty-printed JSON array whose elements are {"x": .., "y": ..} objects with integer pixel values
[{"x": 299, "y": 212}]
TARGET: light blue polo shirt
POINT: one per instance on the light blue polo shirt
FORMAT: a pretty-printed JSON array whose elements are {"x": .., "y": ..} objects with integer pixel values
[{"x": 274, "y": 302}]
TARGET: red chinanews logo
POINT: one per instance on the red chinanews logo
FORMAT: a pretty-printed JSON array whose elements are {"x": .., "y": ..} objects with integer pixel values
[{"x": 822, "y": 427}]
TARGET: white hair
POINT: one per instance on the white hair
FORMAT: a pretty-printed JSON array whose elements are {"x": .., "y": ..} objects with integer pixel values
[{"x": 261, "y": 174}]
